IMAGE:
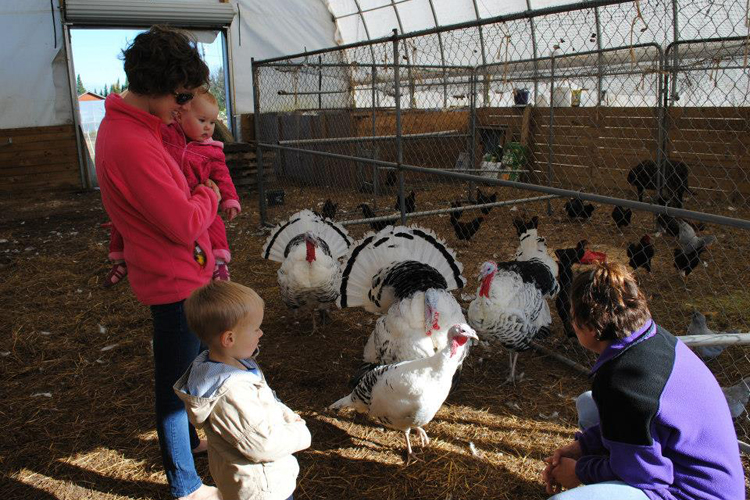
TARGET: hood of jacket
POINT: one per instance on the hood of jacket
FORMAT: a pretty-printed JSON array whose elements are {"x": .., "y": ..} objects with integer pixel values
[{"x": 216, "y": 380}]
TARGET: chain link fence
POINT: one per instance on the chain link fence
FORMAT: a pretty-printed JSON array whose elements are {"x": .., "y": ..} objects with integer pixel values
[{"x": 523, "y": 114}]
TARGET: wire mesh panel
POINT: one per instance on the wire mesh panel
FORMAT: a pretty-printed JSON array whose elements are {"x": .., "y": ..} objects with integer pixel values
[{"x": 614, "y": 122}]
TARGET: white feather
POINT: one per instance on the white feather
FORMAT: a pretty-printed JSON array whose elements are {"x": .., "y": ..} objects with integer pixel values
[
  {"x": 365, "y": 260},
  {"x": 401, "y": 334},
  {"x": 334, "y": 234}
]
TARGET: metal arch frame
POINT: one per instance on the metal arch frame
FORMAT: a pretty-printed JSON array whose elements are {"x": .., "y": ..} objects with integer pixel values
[
  {"x": 442, "y": 55},
  {"x": 486, "y": 90},
  {"x": 532, "y": 26},
  {"x": 412, "y": 100},
  {"x": 367, "y": 31}
]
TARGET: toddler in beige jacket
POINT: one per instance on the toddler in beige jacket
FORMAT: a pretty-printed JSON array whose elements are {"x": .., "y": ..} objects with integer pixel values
[{"x": 251, "y": 434}]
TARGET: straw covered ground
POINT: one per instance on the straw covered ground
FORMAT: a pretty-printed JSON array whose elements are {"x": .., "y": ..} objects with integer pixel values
[{"x": 75, "y": 360}]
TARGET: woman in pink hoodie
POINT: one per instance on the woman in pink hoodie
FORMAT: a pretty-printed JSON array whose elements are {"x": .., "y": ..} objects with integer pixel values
[
  {"x": 189, "y": 140},
  {"x": 164, "y": 224}
]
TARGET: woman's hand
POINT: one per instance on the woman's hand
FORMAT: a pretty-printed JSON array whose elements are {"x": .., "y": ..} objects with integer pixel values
[
  {"x": 570, "y": 451},
  {"x": 565, "y": 473},
  {"x": 230, "y": 213},
  {"x": 211, "y": 184}
]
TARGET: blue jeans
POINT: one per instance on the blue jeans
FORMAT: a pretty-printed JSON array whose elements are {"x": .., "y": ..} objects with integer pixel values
[
  {"x": 588, "y": 415},
  {"x": 615, "y": 490},
  {"x": 175, "y": 348}
]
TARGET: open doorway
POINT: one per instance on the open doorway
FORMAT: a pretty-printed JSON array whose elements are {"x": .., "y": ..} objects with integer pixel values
[{"x": 99, "y": 72}]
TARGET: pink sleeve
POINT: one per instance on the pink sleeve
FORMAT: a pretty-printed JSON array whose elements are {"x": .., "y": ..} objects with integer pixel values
[
  {"x": 149, "y": 186},
  {"x": 219, "y": 173}
]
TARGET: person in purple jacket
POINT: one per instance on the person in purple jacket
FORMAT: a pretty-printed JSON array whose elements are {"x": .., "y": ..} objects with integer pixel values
[{"x": 664, "y": 431}]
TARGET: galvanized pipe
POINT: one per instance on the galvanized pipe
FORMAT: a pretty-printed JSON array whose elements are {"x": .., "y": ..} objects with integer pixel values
[
  {"x": 548, "y": 11},
  {"x": 335, "y": 140},
  {"x": 440, "y": 211},
  {"x": 551, "y": 137},
  {"x": 258, "y": 140},
  {"x": 596, "y": 198},
  {"x": 399, "y": 143}
]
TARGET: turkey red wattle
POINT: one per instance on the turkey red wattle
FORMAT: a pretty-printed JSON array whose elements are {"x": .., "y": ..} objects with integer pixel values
[
  {"x": 484, "y": 291},
  {"x": 310, "y": 251},
  {"x": 435, "y": 325},
  {"x": 457, "y": 342}
]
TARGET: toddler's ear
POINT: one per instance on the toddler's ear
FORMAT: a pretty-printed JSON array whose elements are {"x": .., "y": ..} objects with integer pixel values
[{"x": 227, "y": 338}]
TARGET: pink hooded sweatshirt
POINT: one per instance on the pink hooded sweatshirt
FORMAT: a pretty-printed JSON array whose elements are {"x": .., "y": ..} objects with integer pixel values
[{"x": 146, "y": 196}]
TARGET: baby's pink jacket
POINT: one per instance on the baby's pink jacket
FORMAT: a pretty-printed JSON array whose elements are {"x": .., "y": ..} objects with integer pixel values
[
  {"x": 148, "y": 199},
  {"x": 201, "y": 160}
]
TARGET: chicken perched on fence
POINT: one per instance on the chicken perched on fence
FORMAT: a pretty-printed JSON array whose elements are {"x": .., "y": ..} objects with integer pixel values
[
  {"x": 406, "y": 395},
  {"x": 406, "y": 274},
  {"x": 309, "y": 248},
  {"x": 511, "y": 305}
]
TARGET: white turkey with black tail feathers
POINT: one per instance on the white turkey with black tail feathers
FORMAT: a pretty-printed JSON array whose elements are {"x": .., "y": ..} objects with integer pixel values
[
  {"x": 406, "y": 273},
  {"x": 407, "y": 395},
  {"x": 511, "y": 305},
  {"x": 309, "y": 248}
]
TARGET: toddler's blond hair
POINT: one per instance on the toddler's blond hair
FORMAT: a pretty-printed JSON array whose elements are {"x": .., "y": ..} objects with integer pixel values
[{"x": 220, "y": 306}]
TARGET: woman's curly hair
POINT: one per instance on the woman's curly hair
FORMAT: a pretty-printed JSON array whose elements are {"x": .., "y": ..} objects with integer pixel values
[
  {"x": 161, "y": 60},
  {"x": 608, "y": 301}
]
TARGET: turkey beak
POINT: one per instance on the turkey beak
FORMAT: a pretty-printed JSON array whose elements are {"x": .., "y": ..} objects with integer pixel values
[{"x": 469, "y": 332}]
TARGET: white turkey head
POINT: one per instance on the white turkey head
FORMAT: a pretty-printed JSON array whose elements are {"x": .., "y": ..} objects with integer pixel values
[
  {"x": 486, "y": 273},
  {"x": 458, "y": 335}
]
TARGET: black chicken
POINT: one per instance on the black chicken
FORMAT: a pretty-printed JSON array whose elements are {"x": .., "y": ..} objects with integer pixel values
[
  {"x": 576, "y": 209},
  {"x": 409, "y": 203},
  {"x": 686, "y": 262},
  {"x": 391, "y": 178},
  {"x": 621, "y": 216},
  {"x": 566, "y": 257},
  {"x": 458, "y": 213},
  {"x": 466, "y": 230},
  {"x": 329, "y": 209},
  {"x": 369, "y": 214},
  {"x": 641, "y": 253},
  {"x": 668, "y": 224},
  {"x": 483, "y": 198}
]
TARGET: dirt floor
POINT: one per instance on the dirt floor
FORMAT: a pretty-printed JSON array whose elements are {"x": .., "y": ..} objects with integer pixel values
[{"x": 76, "y": 359}]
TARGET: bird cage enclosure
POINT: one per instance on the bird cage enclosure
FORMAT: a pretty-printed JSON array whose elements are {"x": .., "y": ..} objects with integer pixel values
[{"x": 541, "y": 107}]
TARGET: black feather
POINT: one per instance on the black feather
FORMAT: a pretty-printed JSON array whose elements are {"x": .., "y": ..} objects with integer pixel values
[
  {"x": 376, "y": 226},
  {"x": 621, "y": 216},
  {"x": 576, "y": 209},
  {"x": 409, "y": 277},
  {"x": 532, "y": 271},
  {"x": 466, "y": 230}
]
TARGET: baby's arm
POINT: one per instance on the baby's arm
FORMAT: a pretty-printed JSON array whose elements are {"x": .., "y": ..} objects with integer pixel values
[{"x": 230, "y": 204}]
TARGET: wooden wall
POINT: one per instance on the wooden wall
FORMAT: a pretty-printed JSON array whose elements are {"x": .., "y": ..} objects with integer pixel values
[
  {"x": 596, "y": 147},
  {"x": 38, "y": 158}
]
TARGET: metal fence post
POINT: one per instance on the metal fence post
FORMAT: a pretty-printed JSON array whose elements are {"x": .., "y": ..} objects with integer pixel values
[
  {"x": 399, "y": 145},
  {"x": 550, "y": 140},
  {"x": 375, "y": 168},
  {"x": 662, "y": 130},
  {"x": 473, "y": 131},
  {"x": 320, "y": 82},
  {"x": 258, "y": 149}
]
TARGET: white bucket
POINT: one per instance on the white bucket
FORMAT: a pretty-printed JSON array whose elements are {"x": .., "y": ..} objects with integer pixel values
[{"x": 561, "y": 97}]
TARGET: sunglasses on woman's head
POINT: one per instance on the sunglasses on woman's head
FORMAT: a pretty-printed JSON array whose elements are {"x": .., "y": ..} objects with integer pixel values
[{"x": 182, "y": 97}]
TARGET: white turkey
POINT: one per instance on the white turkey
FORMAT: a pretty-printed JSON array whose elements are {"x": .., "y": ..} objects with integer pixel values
[
  {"x": 309, "y": 248},
  {"x": 510, "y": 306},
  {"x": 406, "y": 395},
  {"x": 407, "y": 274}
]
